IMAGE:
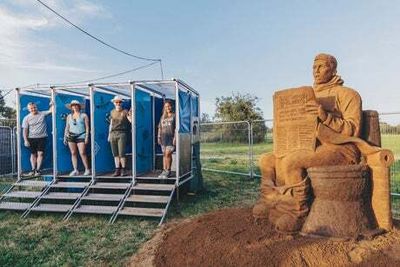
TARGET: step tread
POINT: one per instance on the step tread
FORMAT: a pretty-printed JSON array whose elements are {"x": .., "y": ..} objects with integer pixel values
[
  {"x": 110, "y": 185},
  {"x": 92, "y": 196},
  {"x": 61, "y": 195},
  {"x": 148, "y": 199},
  {"x": 14, "y": 205},
  {"x": 70, "y": 185},
  {"x": 23, "y": 194},
  {"x": 32, "y": 183},
  {"x": 53, "y": 207},
  {"x": 96, "y": 209},
  {"x": 150, "y": 212},
  {"x": 157, "y": 187}
]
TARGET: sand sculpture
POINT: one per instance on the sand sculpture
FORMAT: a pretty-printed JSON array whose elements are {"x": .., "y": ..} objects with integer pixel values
[{"x": 326, "y": 158}]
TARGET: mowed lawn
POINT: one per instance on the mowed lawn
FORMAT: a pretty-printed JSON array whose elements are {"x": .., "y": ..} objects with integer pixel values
[
  {"x": 88, "y": 240},
  {"x": 44, "y": 239}
]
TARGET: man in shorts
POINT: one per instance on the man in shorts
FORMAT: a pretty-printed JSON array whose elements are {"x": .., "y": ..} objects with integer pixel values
[{"x": 35, "y": 135}]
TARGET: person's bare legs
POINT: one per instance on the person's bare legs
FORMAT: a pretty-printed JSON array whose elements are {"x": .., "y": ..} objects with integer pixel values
[
  {"x": 168, "y": 160},
  {"x": 82, "y": 153},
  {"x": 33, "y": 159},
  {"x": 39, "y": 160},
  {"x": 74, "y": 155},
  {"x": 123, "y": 162}
]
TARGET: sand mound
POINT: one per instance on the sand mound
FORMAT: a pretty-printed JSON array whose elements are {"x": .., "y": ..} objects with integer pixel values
[{"x": 231, "y": 238}]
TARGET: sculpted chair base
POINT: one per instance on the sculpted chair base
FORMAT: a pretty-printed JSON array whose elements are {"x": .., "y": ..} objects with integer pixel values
[{"x": 342, "y": 204}]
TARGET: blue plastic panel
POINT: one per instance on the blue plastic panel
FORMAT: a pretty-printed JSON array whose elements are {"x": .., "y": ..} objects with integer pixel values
[
  {"x": 64, "y": 163},
  {"x": 158, "y": 102},
  {"x": 195, "y": 106},
  {"x": 184, "y": 111},
  {"x": 104, "y": 159},
  {"x": 144, "y": 132},
  {"x": 43, "y": 105}
]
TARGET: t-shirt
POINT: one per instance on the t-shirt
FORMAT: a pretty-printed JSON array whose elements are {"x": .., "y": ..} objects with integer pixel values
[
  {"x": 167, "y": 130},
  {"x": 120, "y": 122},
  {"x": 36, "y": 124}
]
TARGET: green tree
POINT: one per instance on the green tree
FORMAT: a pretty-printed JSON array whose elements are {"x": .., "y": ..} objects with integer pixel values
[
  {"x": 240, "y": 107},
  {"x": 6, "y": 112}
]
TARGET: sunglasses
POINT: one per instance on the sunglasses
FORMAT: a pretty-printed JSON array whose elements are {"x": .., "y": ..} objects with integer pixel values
[{"x": 118, "y": 102}]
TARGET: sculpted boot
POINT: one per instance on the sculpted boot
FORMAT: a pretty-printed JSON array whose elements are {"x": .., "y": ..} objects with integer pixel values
[{"x": 293, "y": 207}]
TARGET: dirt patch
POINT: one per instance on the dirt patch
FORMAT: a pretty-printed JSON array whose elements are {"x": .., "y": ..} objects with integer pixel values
[{"x": 230, "y": 237}]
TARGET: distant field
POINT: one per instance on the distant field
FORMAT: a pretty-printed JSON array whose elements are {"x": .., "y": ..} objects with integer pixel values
[{"x": 235, "y": 156}]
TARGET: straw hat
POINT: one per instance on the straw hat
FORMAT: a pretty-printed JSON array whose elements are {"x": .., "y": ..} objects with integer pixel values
[
  {"x": 75, "y": 102},
  {"x": 117, "y": 98}
]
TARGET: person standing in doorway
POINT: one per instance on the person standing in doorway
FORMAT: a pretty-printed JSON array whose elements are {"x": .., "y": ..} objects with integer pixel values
[
  {"x": 118, "y": 135},
  {"x": 35, "y": 135},
  {"x": 76, "y": 136},
  {"x": 166, "y": 138}
]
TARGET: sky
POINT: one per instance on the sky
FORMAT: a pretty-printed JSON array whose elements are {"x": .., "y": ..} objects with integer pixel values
[{"x": 217, "y": 46}]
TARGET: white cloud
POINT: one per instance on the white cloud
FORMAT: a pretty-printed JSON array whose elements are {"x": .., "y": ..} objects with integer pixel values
[{"x": 21, "y": 21}]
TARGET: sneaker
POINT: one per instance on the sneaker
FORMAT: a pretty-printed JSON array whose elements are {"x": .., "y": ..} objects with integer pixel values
[
  {"x": 31, "y": 173},
  {"x": 162, "y": 174},
  {"x": 123, "y": 172},
  {"x": 38, "y": 173},
  {"x": 167, "y": 174},
  {"x": 87, "y": 172},
  {"x": 74, "y": 172},
  {"x": 117, "y": 173}
]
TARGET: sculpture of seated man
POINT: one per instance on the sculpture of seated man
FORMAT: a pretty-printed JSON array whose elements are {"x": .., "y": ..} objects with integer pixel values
[{"x": 285, "y": 189}]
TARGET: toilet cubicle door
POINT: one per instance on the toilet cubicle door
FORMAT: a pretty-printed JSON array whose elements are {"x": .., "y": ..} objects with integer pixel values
[
  {"x": 42, "y": 104},
  {"x": 104, "y": 160},
  {"x": 64, "y": 164},
  {"x": 144, "y": 132},
  {"x": 184, "y": 131}
]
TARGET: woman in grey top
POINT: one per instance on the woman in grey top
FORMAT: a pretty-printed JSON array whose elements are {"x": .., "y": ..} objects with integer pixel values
[
  {"x": 166, "y": 138},
  {"x": 118, "y": 135},
  {"x": 76, "y": 136}
]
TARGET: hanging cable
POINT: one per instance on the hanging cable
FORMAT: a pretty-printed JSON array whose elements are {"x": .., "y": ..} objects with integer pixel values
[
  {"x": 94, "y": 37},
  {"x": 109, "y": 76}
]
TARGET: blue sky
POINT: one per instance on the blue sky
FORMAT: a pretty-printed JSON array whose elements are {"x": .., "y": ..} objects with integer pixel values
[{"x": 218, "y": 47}]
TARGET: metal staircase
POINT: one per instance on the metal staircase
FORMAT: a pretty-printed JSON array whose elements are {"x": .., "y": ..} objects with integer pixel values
[{"x": 146, "y": 196}]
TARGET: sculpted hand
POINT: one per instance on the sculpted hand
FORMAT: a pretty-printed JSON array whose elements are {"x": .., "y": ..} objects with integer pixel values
[
  {"x": 26, "y": 143},
  {"x": 315, "y": 109},
  {"x": 65, "y": 141}
]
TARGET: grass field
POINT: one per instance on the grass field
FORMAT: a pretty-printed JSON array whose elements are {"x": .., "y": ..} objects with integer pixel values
[{"x": 44, "y": 239}]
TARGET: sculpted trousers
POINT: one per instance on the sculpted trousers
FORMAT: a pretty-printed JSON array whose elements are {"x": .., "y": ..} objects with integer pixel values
[{"x": 284, "y": 187}]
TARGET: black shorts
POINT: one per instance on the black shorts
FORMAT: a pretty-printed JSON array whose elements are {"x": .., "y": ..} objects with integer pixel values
[{"x": 37, "y": 144}]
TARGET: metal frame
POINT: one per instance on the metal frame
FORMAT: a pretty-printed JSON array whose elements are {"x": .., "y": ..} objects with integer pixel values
[
  {"x": 54, "y": 133},
  {"x": 111, "y": 88},
  {"x": 133, "y": 130}
]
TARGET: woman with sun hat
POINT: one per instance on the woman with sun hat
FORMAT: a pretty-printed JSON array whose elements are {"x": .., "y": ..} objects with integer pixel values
[
  {"x": 118, "y": 134},
  {"x": 76, "y": 136}
]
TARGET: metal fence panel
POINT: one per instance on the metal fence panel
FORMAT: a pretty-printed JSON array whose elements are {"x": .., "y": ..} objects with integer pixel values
[
  {"x": 225, "y": 147},
  {"x": 6, "y": 158}
]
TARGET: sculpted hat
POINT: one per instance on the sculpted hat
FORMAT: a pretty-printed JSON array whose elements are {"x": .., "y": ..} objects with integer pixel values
[
  {"x": 75, "y": 102},
  {"x": 331, "y": 59},
  {"x": 117, "y": 98}
]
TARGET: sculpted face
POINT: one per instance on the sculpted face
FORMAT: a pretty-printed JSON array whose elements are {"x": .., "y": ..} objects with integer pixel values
[{"x": 323, "y": 71}]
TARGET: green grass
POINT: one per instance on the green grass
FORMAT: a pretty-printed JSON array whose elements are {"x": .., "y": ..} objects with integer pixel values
[{"x": 46, "y": 240}]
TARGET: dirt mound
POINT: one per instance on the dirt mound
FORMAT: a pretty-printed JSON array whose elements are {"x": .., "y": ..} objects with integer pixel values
[{"x": 230, "y": 237}]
